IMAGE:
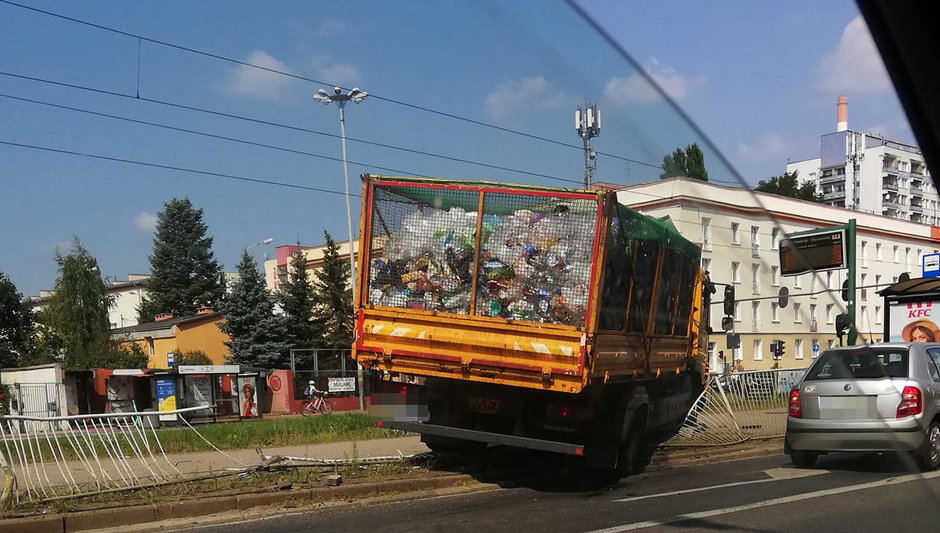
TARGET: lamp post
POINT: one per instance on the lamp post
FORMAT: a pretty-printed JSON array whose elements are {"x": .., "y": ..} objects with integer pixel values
[
  {"x": 269, "y": 240},
  {"x": 338, "y": 97}
]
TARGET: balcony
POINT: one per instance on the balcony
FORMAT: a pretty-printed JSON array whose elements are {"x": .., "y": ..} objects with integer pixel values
[
  {"x": 890, "y": 203},
  {"x": 833, "y": 195},
  {"x": 889, "y": 184},
  {"x": 831, "y": 178},
  {"x": 917, "y": 190}
]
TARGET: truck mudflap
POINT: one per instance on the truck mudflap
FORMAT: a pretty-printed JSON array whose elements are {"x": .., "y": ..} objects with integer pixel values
[{"x": 485, "y": 436}]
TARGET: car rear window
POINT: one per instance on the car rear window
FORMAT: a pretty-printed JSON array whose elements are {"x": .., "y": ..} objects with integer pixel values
[{"x": 863, "y": 363}]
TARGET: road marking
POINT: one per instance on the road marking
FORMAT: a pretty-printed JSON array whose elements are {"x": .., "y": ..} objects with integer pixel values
[
  {"x": 775, "y": 501},
  {"x": 776, "y": 474}
]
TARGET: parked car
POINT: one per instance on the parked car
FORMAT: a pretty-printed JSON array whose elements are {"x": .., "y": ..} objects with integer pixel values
[{"x": 878, "y": 397}]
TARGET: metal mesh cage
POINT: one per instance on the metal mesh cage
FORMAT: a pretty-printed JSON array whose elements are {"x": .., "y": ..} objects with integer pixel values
[{"x": 534, "y": 252}]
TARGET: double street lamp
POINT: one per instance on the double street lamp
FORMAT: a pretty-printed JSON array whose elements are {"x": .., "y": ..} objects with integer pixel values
[{"x": 340, "y": 99}]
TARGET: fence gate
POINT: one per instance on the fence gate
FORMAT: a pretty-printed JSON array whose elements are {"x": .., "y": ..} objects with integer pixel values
[{"x": 36, "y": 399}]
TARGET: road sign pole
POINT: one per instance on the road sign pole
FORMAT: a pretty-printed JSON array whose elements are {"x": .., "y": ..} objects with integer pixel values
[{"x": 850, "y": 251}]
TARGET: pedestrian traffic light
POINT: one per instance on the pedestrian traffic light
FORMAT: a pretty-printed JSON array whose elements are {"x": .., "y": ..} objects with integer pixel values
[{"x": 729, "y": 300}]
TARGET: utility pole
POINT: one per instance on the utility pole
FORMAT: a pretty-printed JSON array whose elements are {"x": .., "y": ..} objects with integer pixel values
[{"x": 587, "y": 122}]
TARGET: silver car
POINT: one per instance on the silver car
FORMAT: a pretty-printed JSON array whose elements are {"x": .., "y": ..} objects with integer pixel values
[{"x": 876, "y": 397}]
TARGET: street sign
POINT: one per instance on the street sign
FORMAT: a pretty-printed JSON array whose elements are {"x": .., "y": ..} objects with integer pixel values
[
  {"x": 170, "y": 359},
  {"x": 820, "y": 250},
  {"x": 341, "y": 384},
  {"x": 815, "y": 347},
  {"x": 930, "y": 264}
]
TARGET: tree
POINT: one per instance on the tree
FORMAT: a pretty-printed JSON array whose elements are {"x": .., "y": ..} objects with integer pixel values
[
  {"x": 788, "y": 184},
  {"x": 689, "y": 163},
  {"x": 184, "y": 274},
  {"x": 78, "y": 311},
  {"x": 17, "y": 325},
  {"x": 296, "y": 299},
  {"x": 333, "y": 310},
  {"x": 258, "y": 336},
  {"x": 193, "y": 357}
]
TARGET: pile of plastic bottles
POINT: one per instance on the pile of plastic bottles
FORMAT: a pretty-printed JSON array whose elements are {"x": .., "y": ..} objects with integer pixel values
[{"x": 533, "y": 266}]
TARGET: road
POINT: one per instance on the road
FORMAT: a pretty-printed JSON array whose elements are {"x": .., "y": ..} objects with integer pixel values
[{"x": 849, "y": 492}]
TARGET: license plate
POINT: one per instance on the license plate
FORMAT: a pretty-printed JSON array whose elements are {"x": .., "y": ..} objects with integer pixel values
[{"x": 847, "y": 407}]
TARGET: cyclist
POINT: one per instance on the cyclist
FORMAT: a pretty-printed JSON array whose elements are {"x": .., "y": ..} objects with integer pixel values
[{"x": 312, "y": 391}]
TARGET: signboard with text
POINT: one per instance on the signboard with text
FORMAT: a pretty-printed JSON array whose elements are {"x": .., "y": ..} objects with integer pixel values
[
  {"x": 820, "y": 250},
  {"x": 341, "y": 384},
  {"x": 913, "y": 321},
  {"x": 930, "y": 265}
]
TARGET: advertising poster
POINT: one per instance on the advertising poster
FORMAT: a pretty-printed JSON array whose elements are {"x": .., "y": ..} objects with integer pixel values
[
  {"x": 914, "y": 322},
  {"x": 248, "y": 394},
  {"x": 166, "y": 398}
]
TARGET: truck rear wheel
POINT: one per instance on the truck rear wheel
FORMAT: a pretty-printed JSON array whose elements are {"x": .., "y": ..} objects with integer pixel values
[{"x": 634, "y": 454}]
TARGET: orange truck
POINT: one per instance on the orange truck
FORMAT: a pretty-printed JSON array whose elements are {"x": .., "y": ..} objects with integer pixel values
[{"x": 543, "y": 318}]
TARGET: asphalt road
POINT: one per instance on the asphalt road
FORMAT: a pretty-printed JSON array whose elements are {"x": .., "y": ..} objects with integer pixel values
[{"x": 848, "y": 492}]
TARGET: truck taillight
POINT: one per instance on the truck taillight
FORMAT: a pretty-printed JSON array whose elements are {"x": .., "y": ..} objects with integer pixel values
[
  {"x": 795, "y": 405},
  {"x": 912, "y": 402}
]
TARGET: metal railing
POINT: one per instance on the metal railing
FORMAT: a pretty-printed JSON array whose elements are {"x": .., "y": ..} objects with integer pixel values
[{"x": 738, "y": 407}]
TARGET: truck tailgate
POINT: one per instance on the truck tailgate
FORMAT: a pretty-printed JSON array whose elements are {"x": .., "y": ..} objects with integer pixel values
[{"x": 471, "y": 348}]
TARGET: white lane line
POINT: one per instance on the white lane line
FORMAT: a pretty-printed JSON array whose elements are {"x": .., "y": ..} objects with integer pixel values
[
  {"x": 776, "y": 474},
  {"x": 775, "y": 501}
]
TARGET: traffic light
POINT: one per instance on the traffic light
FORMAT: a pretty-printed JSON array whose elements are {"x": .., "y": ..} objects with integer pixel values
[
  {"x": 729, "y": 300},
  {"x": 774, "y": 346},
  {"x": 781, "y": 349},
  {"x": 845, "y": 291}
]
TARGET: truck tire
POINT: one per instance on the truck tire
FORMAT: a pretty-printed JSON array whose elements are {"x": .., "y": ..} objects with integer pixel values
[{"x": 634, "y": 454}]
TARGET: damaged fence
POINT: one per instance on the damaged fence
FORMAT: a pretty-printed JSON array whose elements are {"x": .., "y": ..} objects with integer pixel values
[
  {"x": 738, "y": 407},
  {"x": 45, "y": 458}
]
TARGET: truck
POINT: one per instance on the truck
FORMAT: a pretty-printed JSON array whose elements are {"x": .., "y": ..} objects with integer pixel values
[{"x": 552, "y": 319}]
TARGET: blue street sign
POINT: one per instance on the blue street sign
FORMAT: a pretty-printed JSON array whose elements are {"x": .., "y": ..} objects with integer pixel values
[
  {"x": 815, "y": 347},
  {"x": 170, "y": 359},
  {"x": 930, "y": 265}
]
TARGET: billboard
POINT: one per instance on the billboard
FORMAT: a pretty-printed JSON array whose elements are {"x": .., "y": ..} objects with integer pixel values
[
  {"x": 248, "y": 394},
  {"x": 913, "y": 321},
  {"x": 820, "y": 250}
]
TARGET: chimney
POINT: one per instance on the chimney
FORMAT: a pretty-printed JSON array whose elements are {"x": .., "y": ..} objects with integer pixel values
[
  {"x": 842, "y": 113},
  {"x": 205, "y": 311},
  {"x": 164, "y": 316}
]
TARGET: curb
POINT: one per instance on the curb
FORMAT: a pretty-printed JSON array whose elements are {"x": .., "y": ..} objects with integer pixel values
[
  {"x": 672, "y": 457},
  {"x": 144, "y": 514}
]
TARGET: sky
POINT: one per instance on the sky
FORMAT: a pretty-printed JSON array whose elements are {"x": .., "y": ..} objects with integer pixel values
[{"x": 109, "y": 109}]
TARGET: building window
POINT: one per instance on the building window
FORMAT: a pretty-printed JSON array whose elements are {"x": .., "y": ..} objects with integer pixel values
[
  {"x": 829, "y": 277},
  {"x": 908, "y": 259},
  {"x": 706, "y": 233},
  {"x": 735, "y": 239},
  {"x": 864, "y": 286},
  {"x": 864, "y": 254},
  {"x": 755, "y": 310},
  {"x": 798, "y": 349},
  {"x": 797, "y": 282},
  {"x": 877, "y": 282},
  {"x": 758, "y": 350},
  {"x": 877, "y": 314},
  {"x": 775, "y": 276},
  {"x": 774, "y": 312},
  {"x": 830, "y": 313},
  {"x": 755, "y": 240},
  {"x": 832, "y": 344},
  {"x": 897, "y": 253},
  {"x": 706, "y": 264},
  {"x": 877, "y": 251},
  {"x": 812, "y": 312},
  {"x": 755, "y": 278},
  {"x": 735, "y": 272},
  {"x": 812, "y": 286},
  {"x": 796, "y": 313},
  {"x": 737, "y": 310},
  {"x": 775, "y": 239}
]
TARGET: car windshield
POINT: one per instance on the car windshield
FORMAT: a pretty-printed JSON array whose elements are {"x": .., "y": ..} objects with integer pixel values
[{"x": 865, "y": 363}]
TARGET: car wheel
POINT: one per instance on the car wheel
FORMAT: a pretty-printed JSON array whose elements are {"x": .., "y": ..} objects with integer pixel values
[
  {"x": 929, "y": 458},
  {"x": 803, "y": 459}
]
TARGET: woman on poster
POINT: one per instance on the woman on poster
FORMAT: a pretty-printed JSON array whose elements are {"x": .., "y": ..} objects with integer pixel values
[
  {"x": 921, "y": 330},
  {"x": 249, "y": 404}
]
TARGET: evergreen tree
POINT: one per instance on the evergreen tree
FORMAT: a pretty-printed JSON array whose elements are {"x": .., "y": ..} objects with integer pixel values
[
  {"x": 296, "y": 299},
  {"x": 788, "y": 184},
  {"x": 689, "y": 164},
  {"x": 78, "y": 310},
  {"x": 184, "y": 274},
  {"x": 333, "y": 298},
  {"x": 258, "y": 336},
  {"x": 17, "y": 325}
]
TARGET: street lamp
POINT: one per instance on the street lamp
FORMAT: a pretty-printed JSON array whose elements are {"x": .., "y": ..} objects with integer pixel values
[
  {"x": 269, "y": 240},
  {"x": 356, "y": 96}
]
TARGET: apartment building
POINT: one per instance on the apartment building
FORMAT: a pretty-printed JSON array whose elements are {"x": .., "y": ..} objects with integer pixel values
[{"x": 740, "y": 232}]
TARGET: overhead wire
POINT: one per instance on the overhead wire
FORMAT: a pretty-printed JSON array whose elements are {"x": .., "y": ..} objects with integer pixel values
[{"x": 316, "y": 81}]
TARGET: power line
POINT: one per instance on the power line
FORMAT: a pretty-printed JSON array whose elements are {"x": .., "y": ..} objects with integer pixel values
[
  {"x": 259, "y": 121},
  {"x": 313, "y": 80},
  {"x": 170, "y": 167}
]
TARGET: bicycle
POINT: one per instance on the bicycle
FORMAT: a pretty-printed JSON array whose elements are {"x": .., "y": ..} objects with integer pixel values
[{"x": 318, "y": 405}]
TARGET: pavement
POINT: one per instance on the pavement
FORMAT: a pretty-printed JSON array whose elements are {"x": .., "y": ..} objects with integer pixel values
[{"x": 186, "y": 512}]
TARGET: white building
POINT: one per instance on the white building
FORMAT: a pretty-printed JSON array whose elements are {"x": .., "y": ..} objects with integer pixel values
[
  {"x": 740, "y": 231},
  {"x": 868, "y": 173},
  {"x": 127, "y": 296}
]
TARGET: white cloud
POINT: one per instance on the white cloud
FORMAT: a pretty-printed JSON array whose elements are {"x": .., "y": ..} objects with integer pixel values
[
  {"x": 146, "y": 222},
  {"x": 855, "y": 66},
  {"x": 336, "y": 73},
  {"x": 525, "y": 94},
  {"x": 634, "y": 89},
  {"x": 258, "y": 83},
  {"x": 767, "y": 146}
]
